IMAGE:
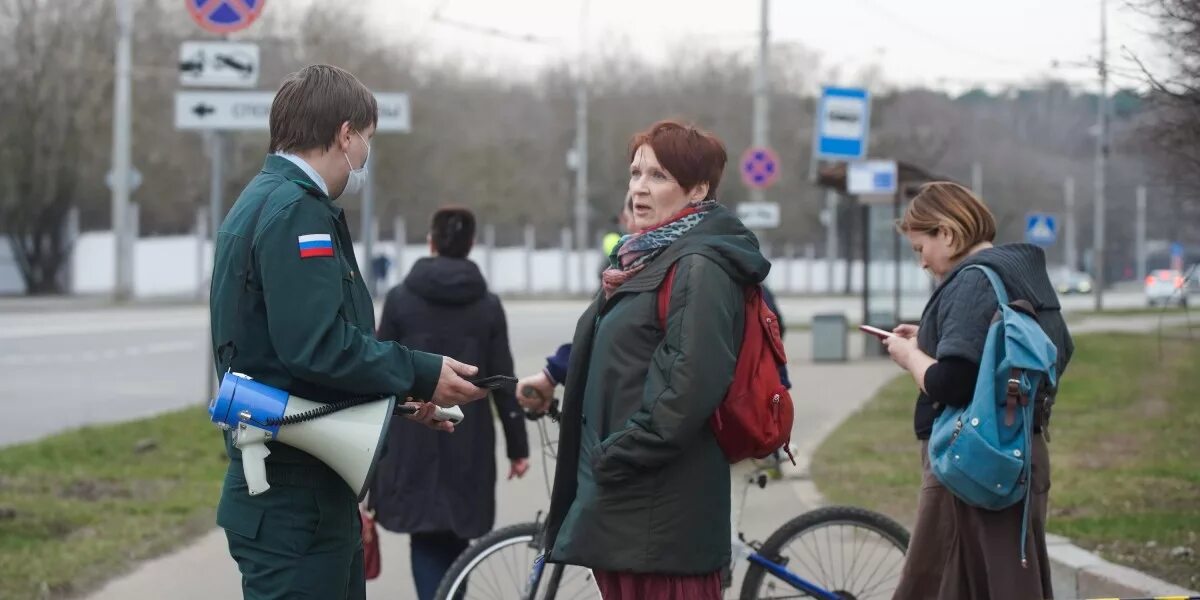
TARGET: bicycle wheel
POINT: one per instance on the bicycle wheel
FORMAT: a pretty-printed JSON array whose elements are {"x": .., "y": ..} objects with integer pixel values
[
  {"x": 854, "y": 553},
  {"x": 497, "y": 567}
]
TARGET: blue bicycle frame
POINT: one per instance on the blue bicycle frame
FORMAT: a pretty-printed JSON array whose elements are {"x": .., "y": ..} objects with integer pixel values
[{"x": 792, "y": 579}]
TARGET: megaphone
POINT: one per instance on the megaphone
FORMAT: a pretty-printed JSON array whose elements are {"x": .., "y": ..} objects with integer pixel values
[{"x": 347, "y": 436}]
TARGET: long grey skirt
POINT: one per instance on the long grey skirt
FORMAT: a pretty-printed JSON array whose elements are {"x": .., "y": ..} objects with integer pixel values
[{"x": 959, "y": 552}]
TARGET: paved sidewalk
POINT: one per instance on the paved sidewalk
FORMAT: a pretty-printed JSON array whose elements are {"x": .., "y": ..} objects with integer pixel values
[{"x": 826, "y": 395}]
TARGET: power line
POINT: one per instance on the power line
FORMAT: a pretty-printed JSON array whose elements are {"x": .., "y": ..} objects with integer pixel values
[{"x": 944, "y": 41}]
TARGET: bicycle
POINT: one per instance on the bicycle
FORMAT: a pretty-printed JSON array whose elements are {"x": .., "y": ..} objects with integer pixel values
[{"x": 837, "y": 553}]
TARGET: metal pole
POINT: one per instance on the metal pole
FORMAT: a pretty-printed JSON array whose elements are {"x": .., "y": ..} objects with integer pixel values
[
  {"x": 489, "y": 240},
  {"x": 896, "y": 254},
  {"x": 216, "y": 155},
  {"x": 1072, "y": 256},
  {"x": 368, "y": 218},
  {"x": 201, "y": 238},
  {"x": 530, "y": 249},
  {"x": 831, "y": 238},
  {"x": 789, "y": 261},
  {"x": 400, "y": 235},
  {"x": 566, "y": 260},
  {"x": 581, "y": 135},
  {"x": 216, "y": 182},
  {"x": 1101, "y": 159},
  {"x": 1140, "y": 234},
  {"x": 123, "y": 282},
  {"x": 977, "y": 179},
  {"x": 761, "y": 103}
]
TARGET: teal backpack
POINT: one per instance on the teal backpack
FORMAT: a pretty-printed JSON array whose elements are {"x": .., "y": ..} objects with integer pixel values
[{"x": 982, "y": 452}]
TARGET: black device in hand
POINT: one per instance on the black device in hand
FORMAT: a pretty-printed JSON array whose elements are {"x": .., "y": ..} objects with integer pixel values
[{"x": 494, "y": 382}]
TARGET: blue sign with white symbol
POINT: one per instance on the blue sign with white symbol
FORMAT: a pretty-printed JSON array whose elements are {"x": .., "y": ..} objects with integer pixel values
[
  {"x": 225, "y": 16},
  {"x": 843, "y": 124},
  {"x": 1041, "y": 229},
  {"x": 871, "y": 177}
]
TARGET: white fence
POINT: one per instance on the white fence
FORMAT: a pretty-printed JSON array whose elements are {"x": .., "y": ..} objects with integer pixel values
[{"x": 180, "y": 265}]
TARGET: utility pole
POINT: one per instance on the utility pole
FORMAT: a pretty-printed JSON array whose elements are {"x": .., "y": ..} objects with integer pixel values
[
  {"x": 761, "y": 100},
  {"x": 1071, "y": 256},
  {"x": 123, "y": 281},
  {"x": 1101, "y": 159},
  {"x": 1140, "y": 234},
  {"x": 581, "y": 136}
]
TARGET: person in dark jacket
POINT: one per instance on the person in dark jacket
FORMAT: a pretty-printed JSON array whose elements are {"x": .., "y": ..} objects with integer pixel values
[
  {"x": 441, "y": 489},
  {"x": 957, "y": 550},
  {"x": 641, "y": 489}
]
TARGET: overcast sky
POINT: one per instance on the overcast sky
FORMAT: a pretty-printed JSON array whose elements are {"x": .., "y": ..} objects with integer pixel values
[{"x": 951, "y": 44}]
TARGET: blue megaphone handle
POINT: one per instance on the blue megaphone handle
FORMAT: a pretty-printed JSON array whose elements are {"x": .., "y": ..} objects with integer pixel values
[{"x": 239, "y": 394}]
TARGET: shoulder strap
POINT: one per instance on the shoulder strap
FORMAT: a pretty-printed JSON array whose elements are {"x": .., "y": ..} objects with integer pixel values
[
  {"x": 664, "y": 295},
  {"x": 227, "y": 351},
  {"x": 997, "y": 285}
]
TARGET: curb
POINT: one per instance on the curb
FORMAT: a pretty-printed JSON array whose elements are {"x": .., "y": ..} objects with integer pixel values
[{"x": 1081, "y": 574}]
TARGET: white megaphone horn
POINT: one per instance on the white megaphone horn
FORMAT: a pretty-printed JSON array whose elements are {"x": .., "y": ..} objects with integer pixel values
[{"x": 347, "y": 436}]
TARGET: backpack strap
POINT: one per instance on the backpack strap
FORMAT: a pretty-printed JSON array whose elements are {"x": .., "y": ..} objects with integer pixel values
[
  {"x": 664, "y": 295},
  {"x": 997, "y": 285}
]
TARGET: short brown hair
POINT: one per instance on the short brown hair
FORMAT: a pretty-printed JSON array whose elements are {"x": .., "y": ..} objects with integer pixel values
[
  {"x": 945, "y": 205},
  {"x": 311, "y": 105},
  {"x": 453, "y": 232},
  {"x": 692, "y": 156}
]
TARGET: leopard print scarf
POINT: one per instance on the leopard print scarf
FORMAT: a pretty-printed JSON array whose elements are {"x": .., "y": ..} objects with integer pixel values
[{"x": 635, "y": 251}]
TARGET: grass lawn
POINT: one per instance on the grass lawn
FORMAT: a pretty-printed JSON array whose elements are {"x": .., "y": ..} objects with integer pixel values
[
  {"x": 78, "y": 507},
  {"x": 1125, "y": 454}
]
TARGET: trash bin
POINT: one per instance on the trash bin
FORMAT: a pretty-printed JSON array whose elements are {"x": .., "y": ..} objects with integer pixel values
[
  {"x": 829, "y": 338},
  {"x": 885, "y": 320}
]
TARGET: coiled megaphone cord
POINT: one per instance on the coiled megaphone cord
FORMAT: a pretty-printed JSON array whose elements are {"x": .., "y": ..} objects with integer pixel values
[{"x": 323, "y": 410}]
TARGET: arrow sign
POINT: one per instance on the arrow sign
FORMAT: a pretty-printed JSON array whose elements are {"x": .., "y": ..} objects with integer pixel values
[{"x": 251, "y": 111}]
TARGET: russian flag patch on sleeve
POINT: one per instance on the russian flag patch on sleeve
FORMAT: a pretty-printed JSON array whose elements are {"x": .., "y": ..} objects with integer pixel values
[{"x": 315, "y": 244}]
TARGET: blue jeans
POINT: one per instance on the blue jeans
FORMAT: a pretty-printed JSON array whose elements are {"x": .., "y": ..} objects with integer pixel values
[{"x": 432, "y": 554}]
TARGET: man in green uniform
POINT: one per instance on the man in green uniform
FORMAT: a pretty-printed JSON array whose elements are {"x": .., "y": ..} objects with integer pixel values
[{"x": 289, "y": 308}]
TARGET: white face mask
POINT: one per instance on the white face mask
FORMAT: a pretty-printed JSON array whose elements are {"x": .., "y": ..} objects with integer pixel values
[{"x": 358, "y": 177}]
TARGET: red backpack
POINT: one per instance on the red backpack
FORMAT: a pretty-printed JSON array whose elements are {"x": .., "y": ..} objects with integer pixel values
[{"x": 755, "y": 418}]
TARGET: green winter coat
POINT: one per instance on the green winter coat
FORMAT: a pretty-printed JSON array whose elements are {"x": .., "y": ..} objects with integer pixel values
[{"x": 641, "y": 483}]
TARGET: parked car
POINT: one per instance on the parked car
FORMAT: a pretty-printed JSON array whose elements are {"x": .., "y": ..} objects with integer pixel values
[
  {"x": 1166, "y": 287},
  {"x": 1070, "y": 281}
]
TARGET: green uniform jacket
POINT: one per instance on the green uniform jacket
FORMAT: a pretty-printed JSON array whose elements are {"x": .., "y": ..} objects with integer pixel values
[
  {"x": 641, "y": 484},
  {"x": 305, "y": 325}
]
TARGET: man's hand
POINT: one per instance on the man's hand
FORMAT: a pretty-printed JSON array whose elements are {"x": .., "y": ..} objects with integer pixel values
[
  {"x": 424, "y": 416},
  {"x": 518, "y": 468},
  {"x": 535, "y": 392},
  {"x": 906, "y": 331},
  {"x": 452, "y": 389}
]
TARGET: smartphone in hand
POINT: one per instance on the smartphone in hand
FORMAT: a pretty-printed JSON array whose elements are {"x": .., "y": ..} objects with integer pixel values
[
  {"x": 877, "y": 332},
  {"x": 494, "y": 382}
]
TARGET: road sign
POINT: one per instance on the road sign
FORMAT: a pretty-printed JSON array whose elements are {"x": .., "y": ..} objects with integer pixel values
[
  {"x": 218, "y": 64},
  {"x": 135, "y": 179},
  {"x": 871, "y": 177},
  {"x": 843, "y": 123},
  {"x": 227, "y": 111},
  {"x": 760, "y": 168},
  {"x": 250, "y": 111},
  {"x": 393, "y": 113},
  {"x": 1177, "y": 256},
  {"x": 759, "y": 215},
  {"x": 225, "y": 16},
  {"x": 1041, "y": 229}
]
